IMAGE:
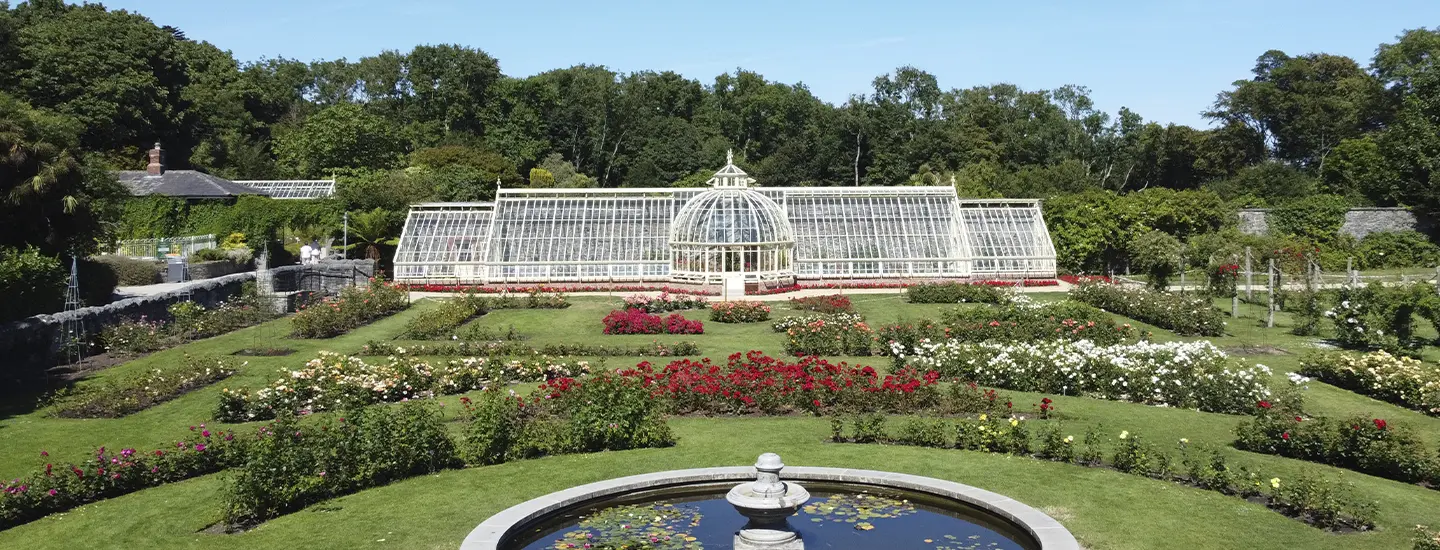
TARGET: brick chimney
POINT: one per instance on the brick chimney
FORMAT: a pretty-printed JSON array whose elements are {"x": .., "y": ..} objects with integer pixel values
[{"x": 157, "y": 160}]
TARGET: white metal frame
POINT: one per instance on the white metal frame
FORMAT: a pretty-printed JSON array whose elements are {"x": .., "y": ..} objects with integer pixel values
[
  {"x": 292, "y": 189},
  {"x": 654, "y": 234}
]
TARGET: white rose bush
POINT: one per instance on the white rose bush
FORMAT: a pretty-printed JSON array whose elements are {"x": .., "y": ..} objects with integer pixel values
[
  {"x": 1401, "y": 380},
  {"x": 335, "y": 381},
  {"x": 1191, "y": 375}
]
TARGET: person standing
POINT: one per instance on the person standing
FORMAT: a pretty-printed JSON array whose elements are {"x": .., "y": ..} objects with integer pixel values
[{"x": 305, "y": 252}]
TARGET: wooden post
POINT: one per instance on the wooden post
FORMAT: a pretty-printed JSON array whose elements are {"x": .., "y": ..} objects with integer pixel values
[
  {"x": 1235, "y": 303},
  {"x": 1249, "y": 277},
  {"x": 1270, "y": 311},
  {"x": 1350, "y": 268}
]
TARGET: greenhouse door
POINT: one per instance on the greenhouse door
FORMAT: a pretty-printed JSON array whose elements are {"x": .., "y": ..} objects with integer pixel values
[{"x": 734, "y": 285}]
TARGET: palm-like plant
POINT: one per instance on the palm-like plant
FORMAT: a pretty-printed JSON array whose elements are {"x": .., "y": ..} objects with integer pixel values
[{"x": 373, "y": 229}]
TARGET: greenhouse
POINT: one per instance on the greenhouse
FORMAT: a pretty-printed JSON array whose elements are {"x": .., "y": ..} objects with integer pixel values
[{"x": 732, "y": 233}]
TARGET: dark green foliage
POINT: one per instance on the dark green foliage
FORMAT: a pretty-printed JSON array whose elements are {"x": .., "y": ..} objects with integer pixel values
[
  {"x": 1397, "y": 249},
  {"x": 924, "y": 432},
  {"x": 97, "y": 281},
  {"x": 291, "y": 465},
  {"x": 131, "y": 271},
  {"x": 31, "y": 283},
  {"x": 868, "y": 428},
  {"x": 1316, "y": 218},
  {"x": 208, "y": 255},
  {"x": 1157, "y": 254},
  {"x": 601, "y": 413}
]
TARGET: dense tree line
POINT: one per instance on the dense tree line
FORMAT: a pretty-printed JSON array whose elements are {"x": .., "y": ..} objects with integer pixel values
[{"x": 84, "y": 89}]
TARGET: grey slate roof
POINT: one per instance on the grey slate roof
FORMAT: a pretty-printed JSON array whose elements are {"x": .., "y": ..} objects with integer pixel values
[{"x": 182, "y": 183}]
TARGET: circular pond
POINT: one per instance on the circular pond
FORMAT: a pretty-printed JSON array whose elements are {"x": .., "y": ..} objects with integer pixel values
[
  {"x": 845, "y": 509},
  {"x": 838, "y": 516}
]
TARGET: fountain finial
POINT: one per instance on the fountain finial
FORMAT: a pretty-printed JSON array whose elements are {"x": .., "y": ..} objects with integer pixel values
[{"x": 767, "y": 502}]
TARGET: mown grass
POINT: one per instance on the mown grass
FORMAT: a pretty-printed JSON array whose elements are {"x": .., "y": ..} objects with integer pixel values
[{"x": 1105, "y": 509}]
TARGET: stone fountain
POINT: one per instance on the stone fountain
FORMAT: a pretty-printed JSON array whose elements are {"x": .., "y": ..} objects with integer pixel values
[{"x": 767, "y": 503}]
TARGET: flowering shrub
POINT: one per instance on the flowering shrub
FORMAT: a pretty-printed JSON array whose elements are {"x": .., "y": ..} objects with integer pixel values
[
  {"x": 792, "y": 321},
  {"x": 665, "y": 302},
  {"x": 1360, "y": 443},
  {"x": 334, "y": 381},
  {"x": 757, "y": 383},
  {"x": 634, "y": 321},
  {"x": 1222, "y": 280},
  {"x": 1425, "y": 539},
  {"x": 1024, "y": 320},
  {"x": 115, "y": 397},
  {"x": 843, "y": 334},
  {"x": 188, "y": 321},
  {"x": 134, "y": 336},
  {"x": 355, "y": 306},
  {"x": 191, "y": 321},
  {"x": 739, "y": 312},
  {"x": 954, "y": 293},
  {"x": 1400, "y": 380},
  {"x": 442, "y": 321},
  {"x": 56, "y": 487},
  {"x": 602, "y": 413},
  {"x": 288, "y": 467},
  {"x": 518, "y": 348},
  {"x": 1192, "y": 375},
  {"x": 1323, "y": 503},
  {"x": 1379, "y": 316},
  {"x": 830, "y": 304},
  {"x": 1185, "y": 315}
]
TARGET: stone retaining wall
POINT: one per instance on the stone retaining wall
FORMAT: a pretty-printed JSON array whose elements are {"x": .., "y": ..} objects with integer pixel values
[
  {"x": 1359, "y": 222},
  {"x": 31, "y": 346}
]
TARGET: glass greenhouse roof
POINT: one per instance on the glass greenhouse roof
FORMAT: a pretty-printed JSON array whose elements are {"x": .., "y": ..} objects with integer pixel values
[
  {"x": 560, "y": 235},
  {"x": 292, "y": 189}
]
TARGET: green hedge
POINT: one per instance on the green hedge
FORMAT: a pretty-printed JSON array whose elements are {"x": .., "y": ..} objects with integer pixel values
[
  {"x": 131, "y": 271},
  {"x": 30, "y": 283}
]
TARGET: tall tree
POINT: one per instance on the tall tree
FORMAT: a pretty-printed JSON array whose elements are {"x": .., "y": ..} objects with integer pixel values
[{"x": 1303, "y": 106}]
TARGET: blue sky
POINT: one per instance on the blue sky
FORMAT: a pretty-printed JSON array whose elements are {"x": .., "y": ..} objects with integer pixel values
[{"x": 1164, "y": 59}]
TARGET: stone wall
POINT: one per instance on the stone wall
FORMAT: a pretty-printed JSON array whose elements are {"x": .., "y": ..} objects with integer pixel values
[
  {"x": 218, "y": 268},
  {"x": 1359, "y": 222},
  {"x": 31, "y": 346},
  {"x": 328, "y": 276}
]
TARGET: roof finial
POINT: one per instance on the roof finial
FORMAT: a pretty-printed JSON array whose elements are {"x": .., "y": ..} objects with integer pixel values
[{"x": 729, "y": 156}]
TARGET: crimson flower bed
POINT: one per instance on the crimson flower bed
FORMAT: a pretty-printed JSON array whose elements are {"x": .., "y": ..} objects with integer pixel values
[
  {"x": 634, "y": 321},
  {"x": 830, "y": 303},
  {"x": 1077, "y": 279},
  {"x": 754, "y": 382}
]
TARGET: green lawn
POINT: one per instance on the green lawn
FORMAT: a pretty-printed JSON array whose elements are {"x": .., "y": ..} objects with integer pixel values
[{"x": 1104, "y": 509}]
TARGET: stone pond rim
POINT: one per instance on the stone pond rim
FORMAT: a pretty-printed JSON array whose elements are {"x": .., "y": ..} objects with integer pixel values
[{"x": 494, "y": 531}]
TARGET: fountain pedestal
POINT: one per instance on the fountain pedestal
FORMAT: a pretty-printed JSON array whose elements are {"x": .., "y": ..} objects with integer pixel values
[{"x": 768, "y": 503}]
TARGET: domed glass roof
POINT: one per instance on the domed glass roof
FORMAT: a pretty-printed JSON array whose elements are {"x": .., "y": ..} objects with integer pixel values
[{"x": 731, "y": 213}]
